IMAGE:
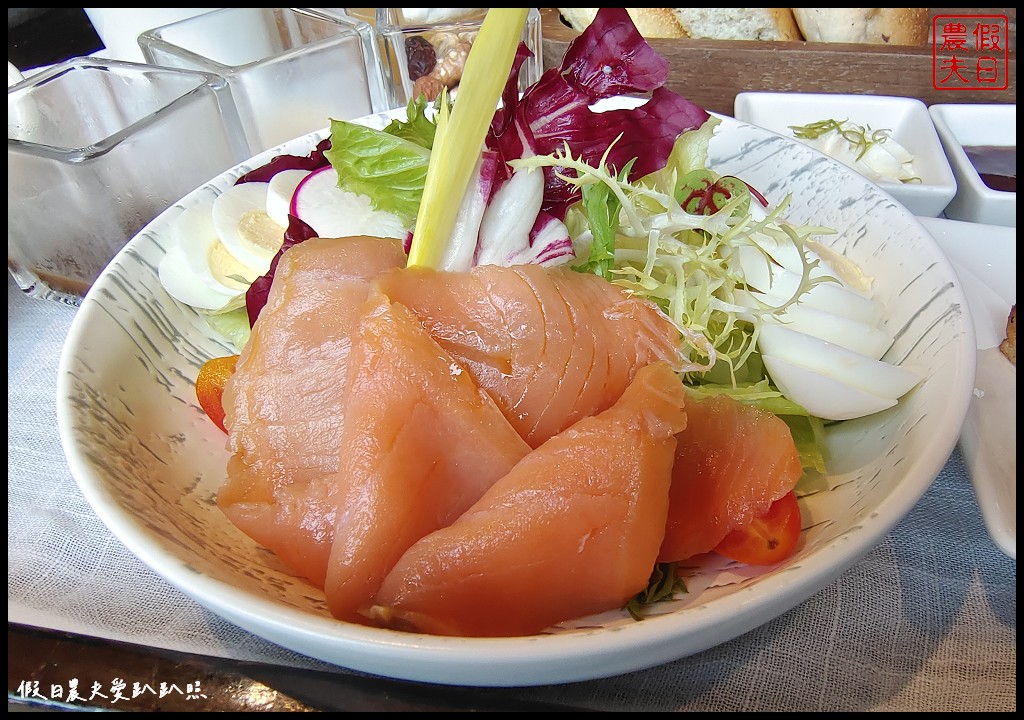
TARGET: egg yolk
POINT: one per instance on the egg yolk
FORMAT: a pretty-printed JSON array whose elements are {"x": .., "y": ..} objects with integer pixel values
[
  {"x": 229, "y": 271},
  {"x": 261, "y": 233}
]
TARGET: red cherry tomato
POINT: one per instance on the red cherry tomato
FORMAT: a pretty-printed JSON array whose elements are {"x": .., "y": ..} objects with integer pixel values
[
  {"x": 213, "y": 375},
  {"x": 768, "y": 539}
]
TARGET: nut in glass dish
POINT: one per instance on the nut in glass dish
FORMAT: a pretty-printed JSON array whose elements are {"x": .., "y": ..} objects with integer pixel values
[
  {"x": 425, "y": 49},
  {"x": 981, "y": 143},
  {"x": 890, "y": 140}
]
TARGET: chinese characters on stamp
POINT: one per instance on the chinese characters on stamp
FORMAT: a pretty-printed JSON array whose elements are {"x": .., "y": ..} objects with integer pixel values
[{"x": 970, "y": 52}]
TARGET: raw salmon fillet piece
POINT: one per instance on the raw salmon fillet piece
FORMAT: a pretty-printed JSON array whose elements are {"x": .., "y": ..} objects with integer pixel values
[
  {"x": 283, "y": 402},
  {"x": 573, "y": 529},
  {"x": 421, "y": 443},
  {"x": 732, "y": 462},
  {"x": 551, "y": 346}
]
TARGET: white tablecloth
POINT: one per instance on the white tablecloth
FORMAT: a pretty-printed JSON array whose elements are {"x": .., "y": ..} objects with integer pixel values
[{"x": 927, "y": 621}]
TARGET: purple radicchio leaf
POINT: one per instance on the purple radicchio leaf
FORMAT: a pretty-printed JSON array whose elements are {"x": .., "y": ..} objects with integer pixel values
[
  {"x": 257, "y": 294},
  {"x": 313, "y": 161},
  {"x": 609, "y": 58}
]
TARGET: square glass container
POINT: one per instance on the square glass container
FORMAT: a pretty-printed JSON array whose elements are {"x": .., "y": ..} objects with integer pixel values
[
  {"x": 290, "y": 70},
  {"x": 426, "y": 48},
  {"x": 95, "y": 150}
]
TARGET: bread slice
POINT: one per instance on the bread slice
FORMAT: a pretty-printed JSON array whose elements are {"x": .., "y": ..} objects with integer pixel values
[
  {"x": 700, "y": 22},
  {"x": 650, "y": 22},
  {"x": 738, "y": 23},
  {"x": 879, "y": 26}
]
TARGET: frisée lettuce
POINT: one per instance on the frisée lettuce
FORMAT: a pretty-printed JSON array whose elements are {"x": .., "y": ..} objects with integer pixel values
[{"x": 639, "y": 236}]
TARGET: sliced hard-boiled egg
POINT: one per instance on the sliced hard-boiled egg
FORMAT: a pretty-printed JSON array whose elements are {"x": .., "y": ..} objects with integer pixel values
[
  {"x": 208, "y": 260},
  {"x": 835, "y": 328},
  {"x": 279, "y": 194},
  {"x": 836, "y": 362},
  {"x": 784, "y": 252},
  {"x": 777, "y": 282},
  {"x": 824, "y": 351},
  {"x": 856, "y": 336},
  {"x": 841, "y": 266},
  {"x": 243, "y": 225},
  {"x": 823, "y": 395},
  {"x": 182, "y": 284},
  {"x": 792, "y": 258}
]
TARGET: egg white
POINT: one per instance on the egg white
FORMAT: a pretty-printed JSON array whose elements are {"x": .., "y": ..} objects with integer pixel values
[
  {"x": 825, "y": 351},
  {"x": 836, "y": 362},
  {"x": 182, "y": 284},
  {"x": 835, "y": 328},
  {"x": 823, "y": 395},
  {"x": 834, "y": 297},
  {"x": 208, "y": 260},
  {"x": 280, "y": 190},
  {"x": 243, "y": 225}
]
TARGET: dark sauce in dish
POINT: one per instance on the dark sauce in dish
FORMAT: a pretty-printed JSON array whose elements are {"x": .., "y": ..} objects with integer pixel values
[{"x": 996, "y": 164}]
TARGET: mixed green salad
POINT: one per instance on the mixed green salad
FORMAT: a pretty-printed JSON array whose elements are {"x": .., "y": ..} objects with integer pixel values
[{"x": 623, "y": 191}]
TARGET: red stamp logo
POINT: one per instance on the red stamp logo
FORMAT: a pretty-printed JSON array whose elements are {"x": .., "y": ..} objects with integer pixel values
[{"x": 970, "y": 52}]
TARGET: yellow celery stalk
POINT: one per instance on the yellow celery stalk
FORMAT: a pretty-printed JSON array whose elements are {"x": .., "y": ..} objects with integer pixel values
[{"x": 459, "y": 138}]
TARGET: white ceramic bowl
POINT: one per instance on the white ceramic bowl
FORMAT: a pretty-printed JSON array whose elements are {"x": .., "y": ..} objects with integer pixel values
[
  {"x": 906, "y": 118},
  {"x": 149, "y": 461},
  {"x": 973, "y": 125}
]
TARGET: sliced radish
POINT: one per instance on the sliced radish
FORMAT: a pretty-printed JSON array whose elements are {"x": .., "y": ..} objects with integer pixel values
[{"x": 333, "y": 212}]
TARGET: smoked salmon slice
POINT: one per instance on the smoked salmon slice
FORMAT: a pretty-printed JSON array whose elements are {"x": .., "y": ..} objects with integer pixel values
[
  {"x": 573, "y": 529},
  {"x": 551, "y": 346},
  {"x": 420, "y": 444},
  {"x": 732, "y": 462},
  {"x": 283, "y": 402}
]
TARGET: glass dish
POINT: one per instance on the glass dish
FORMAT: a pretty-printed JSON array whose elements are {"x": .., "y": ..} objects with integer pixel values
[
  {"x": 95, "y": 150},
  {"x": 424, "y": 49},
  {"x": 289, "y": 69}
]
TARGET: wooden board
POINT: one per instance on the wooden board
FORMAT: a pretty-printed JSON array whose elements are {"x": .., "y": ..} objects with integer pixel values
[{"x": 712, "y": 72}]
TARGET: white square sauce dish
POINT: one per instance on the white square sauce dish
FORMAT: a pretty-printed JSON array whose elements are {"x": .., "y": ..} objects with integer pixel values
[
  {"x": 981, "y": 143},
  {"x": 889, "y": 140}
]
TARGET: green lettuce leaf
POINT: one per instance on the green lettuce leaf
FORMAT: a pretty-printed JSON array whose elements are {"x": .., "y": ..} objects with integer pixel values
[
  {"x": 602, "y": 208},
  {"x": 232, "y": 325},
  {"x": 389, "y": 166},
  {"x": 417, "y": 127}
]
